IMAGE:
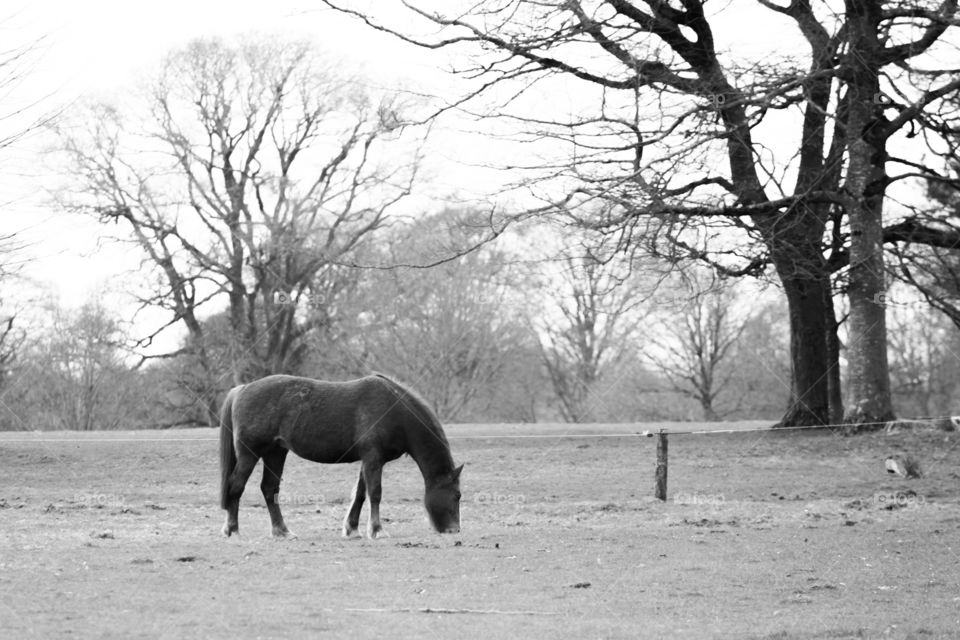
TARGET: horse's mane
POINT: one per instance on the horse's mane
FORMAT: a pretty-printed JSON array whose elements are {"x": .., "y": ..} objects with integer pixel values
[{"x": 426, "y": 415}]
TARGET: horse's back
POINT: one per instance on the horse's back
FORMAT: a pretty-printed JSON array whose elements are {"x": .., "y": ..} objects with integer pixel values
[{"x": 316, "y": 419}]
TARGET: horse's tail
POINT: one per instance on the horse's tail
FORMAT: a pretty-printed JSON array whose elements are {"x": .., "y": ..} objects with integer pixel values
[{"x": 228, "y": 457}]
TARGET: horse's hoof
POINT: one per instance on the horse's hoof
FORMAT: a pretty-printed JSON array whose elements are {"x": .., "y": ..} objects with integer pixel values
[
  {"x": 350, "y": 532},
  {"x": 230, "y": 528},
  {"x": 373, "y": 534},
  {"x": 283, "y": 533}
]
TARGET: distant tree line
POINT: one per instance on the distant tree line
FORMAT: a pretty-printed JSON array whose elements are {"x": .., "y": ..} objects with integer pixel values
[
  {"x": 486, "y": 337},
  {"x": 269, "y": 195}
]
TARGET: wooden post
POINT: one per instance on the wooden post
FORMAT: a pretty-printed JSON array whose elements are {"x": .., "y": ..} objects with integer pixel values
[{"x": 660, "y": 489}]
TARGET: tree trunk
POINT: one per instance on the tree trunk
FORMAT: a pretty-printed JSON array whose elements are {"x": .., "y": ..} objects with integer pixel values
[
  {"x": 869, "y": 378},
  {"x": 212, "y": 402},
  {"x": 809, "y": 361},
  {"x": 795, "y": 250},
  {"x": 834, "y": 388},
  {"x": 709, "y": 413}
]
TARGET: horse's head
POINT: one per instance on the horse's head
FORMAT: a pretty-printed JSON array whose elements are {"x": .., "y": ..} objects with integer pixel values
[{"x": 442, "y": 500}]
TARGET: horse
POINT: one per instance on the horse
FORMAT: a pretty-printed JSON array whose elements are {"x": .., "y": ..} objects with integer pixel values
[{"x": 372, "y": 420}]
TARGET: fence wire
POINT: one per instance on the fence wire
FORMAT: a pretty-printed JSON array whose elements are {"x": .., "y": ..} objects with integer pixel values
[{"x": 647, "y": 433}]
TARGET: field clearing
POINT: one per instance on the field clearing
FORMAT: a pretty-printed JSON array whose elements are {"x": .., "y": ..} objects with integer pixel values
[{"x": 765, "y": 535}]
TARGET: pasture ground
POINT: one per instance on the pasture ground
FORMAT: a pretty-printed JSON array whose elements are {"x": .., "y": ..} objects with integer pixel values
[{"x": 766, "y": 535}]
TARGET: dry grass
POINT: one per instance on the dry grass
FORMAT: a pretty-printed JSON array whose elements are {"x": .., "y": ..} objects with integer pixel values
[{"x": 766, "y": 535}]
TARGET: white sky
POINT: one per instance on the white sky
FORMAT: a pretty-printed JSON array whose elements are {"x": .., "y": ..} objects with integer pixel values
[{"x": 102, "y": 47}]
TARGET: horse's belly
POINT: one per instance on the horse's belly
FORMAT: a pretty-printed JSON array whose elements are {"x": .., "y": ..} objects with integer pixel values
[
  {"x": 327, "y": 457},
  {"x": 321, "y": 447}
]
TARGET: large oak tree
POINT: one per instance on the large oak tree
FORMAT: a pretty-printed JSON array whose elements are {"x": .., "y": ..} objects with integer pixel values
[{"x": 686, "y": 139}]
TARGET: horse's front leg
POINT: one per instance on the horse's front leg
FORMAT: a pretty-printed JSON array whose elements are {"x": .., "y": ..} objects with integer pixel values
[
  {"x": 351, "y": 523},
  {"x": 372, "y": 470}
]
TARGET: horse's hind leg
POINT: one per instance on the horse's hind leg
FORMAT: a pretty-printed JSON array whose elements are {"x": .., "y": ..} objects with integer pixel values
[
  {"x": 352, "y": 522},
  {"x": 270, "y": 486},
  {"x": 246, "y": 461},
  {"x": 372, "y": 472}
]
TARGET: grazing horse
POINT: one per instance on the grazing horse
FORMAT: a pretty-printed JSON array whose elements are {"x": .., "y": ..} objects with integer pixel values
[{"x": 372, "y": 419}]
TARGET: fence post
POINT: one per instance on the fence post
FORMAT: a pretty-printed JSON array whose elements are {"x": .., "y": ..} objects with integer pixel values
[{"x": 660, "y": 488}]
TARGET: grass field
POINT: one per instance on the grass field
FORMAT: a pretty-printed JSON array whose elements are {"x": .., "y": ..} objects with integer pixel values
[{"x": 765, "y": 535}]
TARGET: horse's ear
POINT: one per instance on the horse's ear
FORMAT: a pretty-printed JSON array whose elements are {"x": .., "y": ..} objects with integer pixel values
[{"x": 456, "y": 472}]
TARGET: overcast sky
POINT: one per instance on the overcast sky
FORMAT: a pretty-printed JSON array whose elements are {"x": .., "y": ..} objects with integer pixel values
[{"x": 101, "y": 48}]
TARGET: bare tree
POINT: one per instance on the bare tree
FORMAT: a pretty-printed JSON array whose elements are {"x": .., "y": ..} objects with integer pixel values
[
  {"x": 935, "y": 273},
  {"x": 449, "y": 329},
  {"x": 694, "y": 353},
  {"x": 182, "y": 382},
  {"x": 74, "y": 376},
  {"x": 761, "y": 364},
  {"x": 250, "y": 170},
  {"x": 11, "y": 341},
  {"x": 926, "y": 246},
  {"x": 19, "y": 117},
  {"x": 670, "y": 132},
  {"x": 587, "y": 323},
  {"x": 924, "y": 362}
]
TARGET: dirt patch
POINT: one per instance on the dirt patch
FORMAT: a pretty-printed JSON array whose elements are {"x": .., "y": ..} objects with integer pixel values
[{"x": 764, "y": 536}]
